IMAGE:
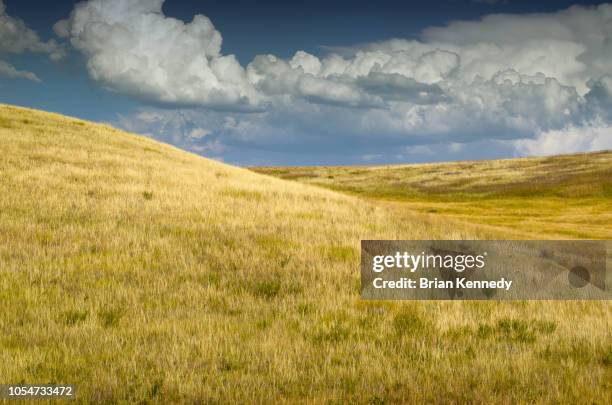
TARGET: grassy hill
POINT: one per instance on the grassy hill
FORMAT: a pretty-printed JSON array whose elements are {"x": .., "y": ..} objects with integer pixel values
[
  {"x": 554, "y": 197},
  {"x": 142, "y": 273}
]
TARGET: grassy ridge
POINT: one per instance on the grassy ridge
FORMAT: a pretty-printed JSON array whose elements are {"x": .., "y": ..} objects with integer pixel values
[
  {"x": 561, "y": 196},
  {"x": 142, "y": 273}
]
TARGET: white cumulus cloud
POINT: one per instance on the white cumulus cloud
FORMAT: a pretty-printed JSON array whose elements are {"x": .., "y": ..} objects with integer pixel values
[
  {"x": 131, "y": 47},
  {"x": 506, "y": 77},
  {"x": 589, "y": 138}
]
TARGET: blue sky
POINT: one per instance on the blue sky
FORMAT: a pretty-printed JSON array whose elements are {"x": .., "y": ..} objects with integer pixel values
[{"x": 341, "y": 82}]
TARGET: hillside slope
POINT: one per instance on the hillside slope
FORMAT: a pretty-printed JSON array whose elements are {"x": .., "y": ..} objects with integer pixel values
[
  {"x": 567, "y": 196},
  {"x": 142, "y": 273}
]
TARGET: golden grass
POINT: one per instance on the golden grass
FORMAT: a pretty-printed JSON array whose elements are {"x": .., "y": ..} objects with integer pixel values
[
  {"x": 562, "y": 197},
  {"x": 145, "y": 274}
]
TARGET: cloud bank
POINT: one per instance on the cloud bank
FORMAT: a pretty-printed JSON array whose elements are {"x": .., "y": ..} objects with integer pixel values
[
  {"x": 131, "y": 47},
  {"x": 525, "y": 80},
  {"x": 16, "y": 38}
]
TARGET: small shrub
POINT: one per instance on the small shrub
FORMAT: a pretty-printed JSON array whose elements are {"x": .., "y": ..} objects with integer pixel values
[
  {"x": 271, "y": 243},
  {"x": 517, "y": 330},
  {"x": 607, "y": 357},
  {"x": 377, "y": 400},
  {"x": 305, "y": 308},
  {"x": 243, "y": 194},
  {"x": 6, "y": 123},
  {"x": 408, "y": 323},
  {"x": 333, "y": 332},
  {"x": 71, "y": 318},
  {"x": 151, "y": 150},
  {"x": 230, "y": 363},
  {"x": 267, "y": 289},
  {"x": 110, "y": 317},
  {"x": 342, "y": 253},
  {"x": 577, "y": 351},
  {"x": 156, "y": 388}
]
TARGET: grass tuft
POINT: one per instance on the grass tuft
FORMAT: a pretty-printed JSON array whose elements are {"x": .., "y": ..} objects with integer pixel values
[
  {"x": 110, "y": 318},
  {"x": 72, "y": 318}
]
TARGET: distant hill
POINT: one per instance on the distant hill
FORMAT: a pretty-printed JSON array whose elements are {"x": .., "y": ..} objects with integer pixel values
[{"x": 559, "y": 196}]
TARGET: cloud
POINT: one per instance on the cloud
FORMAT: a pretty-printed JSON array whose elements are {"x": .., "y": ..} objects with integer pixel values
[
  {"x": 17, "y": 38},
  {"x": 571, "y": 45},
  {"x": 506, "y": 79},
  {"x": 599, "y": 97},
  {"x": 8, "y": 70},
  {"x": 397, "y": 87},
  {"x": 187, "y": 129},
  {"x": 593, "y": 137},
  {"x": 131, "y": 47}
]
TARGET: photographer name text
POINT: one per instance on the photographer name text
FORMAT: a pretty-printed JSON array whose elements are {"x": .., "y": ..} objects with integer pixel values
[{"x": 425, "y": 283}]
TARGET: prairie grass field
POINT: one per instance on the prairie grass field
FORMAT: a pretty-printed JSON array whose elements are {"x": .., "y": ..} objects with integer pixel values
[
  {"x": 145, "y": 274},
  {"x": 565, "y": 197}
]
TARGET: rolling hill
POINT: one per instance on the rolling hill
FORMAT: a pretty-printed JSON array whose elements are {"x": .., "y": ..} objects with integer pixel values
[
  {"x": 142, "y": 273},
  {"x": 567, "y": 196}
]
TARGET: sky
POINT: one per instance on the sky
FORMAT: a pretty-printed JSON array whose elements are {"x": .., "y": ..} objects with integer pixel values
[{"x": 321, "y": 82}]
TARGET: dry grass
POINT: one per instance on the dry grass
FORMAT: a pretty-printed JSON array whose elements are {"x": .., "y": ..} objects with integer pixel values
[
  {"x": 556, "y": 197},
  {"x": 144, "y": 274}
]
